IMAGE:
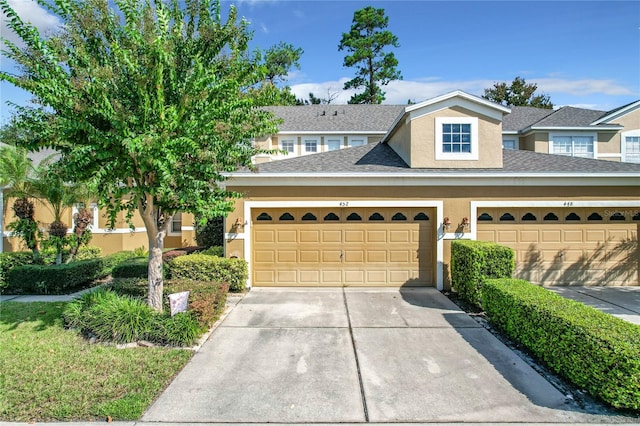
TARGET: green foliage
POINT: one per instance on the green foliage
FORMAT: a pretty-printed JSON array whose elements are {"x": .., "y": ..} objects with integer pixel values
[
  {"x": 54, "y": 279},
  {"x": 596, "y": 351},
  {"x": 518, "y": 93},
  {"x": 121, "y": 315},
  {"x": 11, "y": 260},
  {"x": 137, "y": 267},
  {"x": 114, "y": 259},
  {"x": 147, "y": 102},
  {"x": 366, "y": 42},
  {"x": 15, "y": 166},
  {"x": 214, "y": 251},
  {"x": 473, "y": 262},
  {"x": 210, "y": 233},
  {"x": 202, "y": 267}
]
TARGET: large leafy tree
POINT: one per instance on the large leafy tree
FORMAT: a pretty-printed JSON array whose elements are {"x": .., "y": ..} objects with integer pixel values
[
  {"x": 518, "y": 93},
  {"x": 366, "y": 43},
  {"x": 147, "y": 102},
  {"x": 278, "y": 61}
]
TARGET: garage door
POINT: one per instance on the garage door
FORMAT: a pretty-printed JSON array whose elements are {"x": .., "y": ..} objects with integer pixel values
[
  {"x": 343, "y": 247},
  {"x": 567, "y": 246}
]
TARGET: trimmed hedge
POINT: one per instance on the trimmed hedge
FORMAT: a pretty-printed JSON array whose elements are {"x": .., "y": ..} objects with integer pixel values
[
  {"x": 11, "y": 260},
  {"x": 114, "y": 259},
  {"x": 137, "y": 267},
  {"x": 48, "y": 256},
  {"x": 473, "y": 262},
  {"x": 596, "y": 351},
  {"x": 54, "y": 279},
  {"x": 201, "y": 267}
]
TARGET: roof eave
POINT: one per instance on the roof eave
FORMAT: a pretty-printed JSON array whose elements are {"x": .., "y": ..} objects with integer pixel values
[{"x": 618, "y": 113}]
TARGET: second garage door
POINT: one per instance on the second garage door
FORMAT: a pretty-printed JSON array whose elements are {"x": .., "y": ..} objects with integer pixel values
[{"x": 343, "y": 247}]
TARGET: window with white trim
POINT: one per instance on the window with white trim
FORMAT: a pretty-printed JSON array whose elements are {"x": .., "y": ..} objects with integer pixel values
[
  {"x": 176, "y": 224},
  {"x": 288, "y": 145},
  {"x": 631, "y": 146},
  {"x": 94, "y": 210},
  {"x": 310, "y": 144},
  {"x": 509, "y": 144},
  {"x": 333, "y": 144},
  {"x": 357, "y": 141},
  {"x": 572, "y": 145},
  {"x": 456, "y": 138}
]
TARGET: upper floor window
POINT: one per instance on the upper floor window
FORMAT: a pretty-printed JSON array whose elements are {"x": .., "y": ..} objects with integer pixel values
[
  {"x": 310, "y": 145},
  {"x": 333, "y": 144},
  {"x": 357, "y": 141},
  {"x": 288, "y": 145},
  {"x": 631, "y": 146},
  {"x": 176, "y": 224},
  {"x": 509, "y": 144},
  {"x": 456, "y": 138},
  {"x": 573, "y": 146}
]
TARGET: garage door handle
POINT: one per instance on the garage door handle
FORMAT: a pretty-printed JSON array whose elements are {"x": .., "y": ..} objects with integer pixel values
[{"x": 341, "y": 255}]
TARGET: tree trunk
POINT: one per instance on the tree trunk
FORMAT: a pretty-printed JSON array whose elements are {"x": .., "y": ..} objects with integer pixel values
[{"x": 156, "y": 231}]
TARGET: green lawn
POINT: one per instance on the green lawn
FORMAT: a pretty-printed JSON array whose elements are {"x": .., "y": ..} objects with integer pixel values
[{"x": 48, "y": 373}]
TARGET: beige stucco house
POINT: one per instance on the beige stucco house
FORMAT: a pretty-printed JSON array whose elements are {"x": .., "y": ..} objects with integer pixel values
[{"x": 384, "y": 212}]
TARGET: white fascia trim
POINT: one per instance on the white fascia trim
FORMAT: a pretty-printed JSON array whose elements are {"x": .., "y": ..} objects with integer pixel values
[
  {"x": 475, "y": 205},
  {"x": 248, "y": 205},
  {"x": 510, "y": 132},
  {"x": 118, "y": 230},
  {"x": 480, "y": 108},
  {"x": 459, "y": 94},
  {"x": 582, "y": 128},
  {"x": 434, "y": 179},
  {"x": 619, "y": 113}
]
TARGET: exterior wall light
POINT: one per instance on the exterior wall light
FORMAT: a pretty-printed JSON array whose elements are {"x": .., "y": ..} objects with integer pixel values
[
  {"x": 465, "y": 224},
  {"x": 446, "y": 223}
]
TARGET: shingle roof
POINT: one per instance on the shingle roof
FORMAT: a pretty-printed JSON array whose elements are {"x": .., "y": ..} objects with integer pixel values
[
  {"x": 523, "y": 117},
  {"x": 336, "y": 118},
  {"x": 570, "y": 117},
  {"x": 381, "y": 158}
]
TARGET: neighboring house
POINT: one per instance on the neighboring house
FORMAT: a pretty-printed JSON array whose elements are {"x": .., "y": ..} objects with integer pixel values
[
  {"x": 385, "y": 213},
  {"x": 578, "y": 132}
]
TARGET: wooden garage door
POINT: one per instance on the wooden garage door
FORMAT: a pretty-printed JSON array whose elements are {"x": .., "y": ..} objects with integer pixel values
[
  {"x": 566, "y": 246},
  {"x": 343, "y": 247}
]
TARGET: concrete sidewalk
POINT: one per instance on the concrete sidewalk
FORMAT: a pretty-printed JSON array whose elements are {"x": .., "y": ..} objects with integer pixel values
[
  {"x": 622, "y": 302},
  {"x": 359, "y": 355}
]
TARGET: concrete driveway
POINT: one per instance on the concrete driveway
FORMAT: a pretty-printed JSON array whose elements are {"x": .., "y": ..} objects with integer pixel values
[{"x": 338, "y": 355}]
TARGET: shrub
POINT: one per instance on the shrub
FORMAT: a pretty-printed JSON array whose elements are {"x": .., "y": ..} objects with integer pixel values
[
  {"x": 54, "y": 279},
  {"x": 201, "y": 267},
  {"x": 48, "y": 255},
  {"x": 473, "y": 262},
  {"x": 214, "y": 251},
  {"x": 114, "y": 259},
  {"x": 211, "y": 233},
  {"x": 596, "y": 351},
  {"x": 206, "y": 299},
  {"x": 137, "y": 267},
  {"x": 11, "y": 260}
]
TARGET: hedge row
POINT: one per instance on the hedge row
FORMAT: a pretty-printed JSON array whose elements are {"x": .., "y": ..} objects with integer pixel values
[
  {"x": 137, "y": 267},
  {"x": 54, "y": 279},
  {"x": 596, "y": 351},
  {"x": 202, "y": 267},
  {"x": 473, "y": 262}
]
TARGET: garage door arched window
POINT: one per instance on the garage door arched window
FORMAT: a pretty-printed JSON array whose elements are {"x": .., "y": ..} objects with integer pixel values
[
  {"x": 617, "y": 216},
  {"x": 421, "y": 216},
  {"x": 636, "y": 216},
  {"x": 485, "y": 217},
  {"x": 551, "y": 216},
  {"x": 376, "y": 216},
  {"x": 594, "y": 216},
  {"x": 309, "y": 217},
  {"x": 354, "y": 217},
  {"x": 529, "y": 217},
  {"x": 572, "y": 217},
  {"x": 398, "y": 216},
  {"x": 331, "y": 217},
  {"x": 286, "y": 216},
  {"x": 507, "y": 217},
  {"x": 264, "y": 216}
]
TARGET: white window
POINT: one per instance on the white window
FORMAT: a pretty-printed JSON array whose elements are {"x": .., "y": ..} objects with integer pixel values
[
  {"x": 357, "y": 141},
  {"x": 333, "y": 144},
  {"x": 631, "y": 146},
  {"x": 456, "y": 138},
  {"x": 288, "y": 145},
  {"x": 310, "y": 144},
  {"x": 96, "y": 214},
  {"x": 509, "y": 144},
  {"x": 572, "y": 145},
  {"x": 176, "y": 224}
]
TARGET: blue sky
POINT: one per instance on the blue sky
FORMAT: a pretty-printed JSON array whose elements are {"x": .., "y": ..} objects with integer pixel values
[{"x": 581, "y": 53}]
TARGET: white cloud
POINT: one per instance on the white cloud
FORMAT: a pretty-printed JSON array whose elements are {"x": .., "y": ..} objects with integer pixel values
[
  {"x": 32, "y": 12},
  {"x": 581, "y": 87}
]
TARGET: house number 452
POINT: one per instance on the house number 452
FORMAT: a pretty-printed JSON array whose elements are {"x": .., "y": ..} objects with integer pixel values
[{"x": 343, "y": 204}]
